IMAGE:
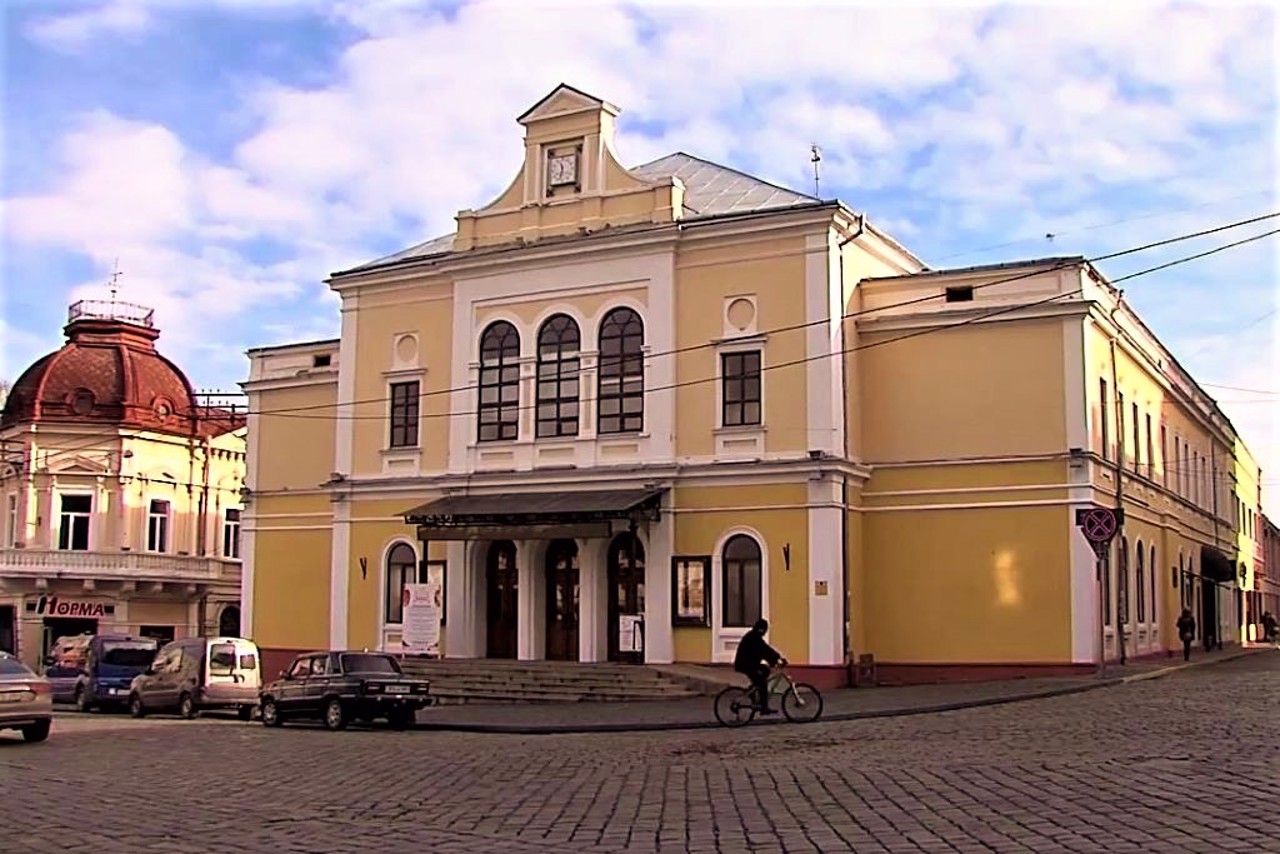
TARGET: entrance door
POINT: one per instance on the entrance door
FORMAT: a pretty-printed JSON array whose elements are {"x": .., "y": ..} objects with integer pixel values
[
  {"x": 626, "y": 599},
  {"x": 562, "y": 601},
  {"x": 501, "y": 577}
]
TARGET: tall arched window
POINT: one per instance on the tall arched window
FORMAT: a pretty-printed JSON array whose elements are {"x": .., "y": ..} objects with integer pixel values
[
  {"x": 1140, "y": 581},
  {"x": 559, "y": 345},
  {"x": 740, "y": 567},
  {"x": 1151, "y": 568},
  {"x": 1122, "y": 583},
  {"x": 620, "y": 393},
  {"x": 499, "y": 382},
  {"x": 402, "y": 569}
]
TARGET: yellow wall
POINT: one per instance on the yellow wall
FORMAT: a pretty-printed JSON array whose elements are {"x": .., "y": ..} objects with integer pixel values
[
  {"x": 375, "y": 525},
  {"x": 295, "y": 453},
  {"x": 292, "y": 555},
  {"x": 968, "y": 586},
  {"x": 698, "y": 532},
  {"x": 994, "y": 389},
  {"x": 774, "y": 272}
]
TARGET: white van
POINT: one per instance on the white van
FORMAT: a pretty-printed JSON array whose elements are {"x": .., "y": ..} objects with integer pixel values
[{"x": 194, "y": 674}]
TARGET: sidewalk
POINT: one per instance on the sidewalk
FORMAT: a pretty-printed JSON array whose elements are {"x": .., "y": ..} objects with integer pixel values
[{"x": 841, "y": 705}]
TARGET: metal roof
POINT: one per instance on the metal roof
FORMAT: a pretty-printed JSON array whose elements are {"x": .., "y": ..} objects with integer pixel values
[
  {"x": 710, "y": 190},
  {"x": 532, "y": 506},
  {"x": 1058, "y": 260}
]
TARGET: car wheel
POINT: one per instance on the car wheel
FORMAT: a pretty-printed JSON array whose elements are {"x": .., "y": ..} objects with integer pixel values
[
  {"x": 186, "y": 706},
  {"x": 135, "y": 706},
  {"x": 245, "y": 713},
  {"x": 335, "y": 717},
  {"x": 82, "y": 700},
  {"x": 271, "y": 714},
  {"x": 37, "y": 731}
]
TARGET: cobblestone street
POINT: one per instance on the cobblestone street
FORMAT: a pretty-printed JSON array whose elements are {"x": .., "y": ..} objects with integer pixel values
[{"x": 1182, "y": 763}]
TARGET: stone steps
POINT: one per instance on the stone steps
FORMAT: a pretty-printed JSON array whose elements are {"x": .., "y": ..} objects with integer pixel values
[{"x": 455, "y": 681}]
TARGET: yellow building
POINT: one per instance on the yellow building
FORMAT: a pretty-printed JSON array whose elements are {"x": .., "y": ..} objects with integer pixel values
[
  {"x": 678, "y": 397},
  {"x": 120, "y": 491}
]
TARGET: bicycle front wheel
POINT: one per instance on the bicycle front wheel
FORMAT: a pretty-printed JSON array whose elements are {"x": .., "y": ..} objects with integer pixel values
[
  {"x": 802, "y": 703},
  {"x": 734, "y": 706}
]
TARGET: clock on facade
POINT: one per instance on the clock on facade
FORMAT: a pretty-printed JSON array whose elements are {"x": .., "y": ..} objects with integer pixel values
[{"x": 562, "y": 169}]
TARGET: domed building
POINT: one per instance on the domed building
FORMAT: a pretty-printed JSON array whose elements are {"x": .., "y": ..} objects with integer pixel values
[{"x": 121, "y": 492}]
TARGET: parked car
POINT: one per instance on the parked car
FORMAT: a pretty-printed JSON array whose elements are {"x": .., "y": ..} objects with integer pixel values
[
  {"x": 26, "y": 699},
  {"x": 341, "y": 686},
  {"x": 110, "y": 664},
  {"x": 194, "y": 674},
  {"x": 64, "y": 664}
]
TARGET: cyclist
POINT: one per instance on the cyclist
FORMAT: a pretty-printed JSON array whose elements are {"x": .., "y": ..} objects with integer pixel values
[{"x": 754, "y": 659}]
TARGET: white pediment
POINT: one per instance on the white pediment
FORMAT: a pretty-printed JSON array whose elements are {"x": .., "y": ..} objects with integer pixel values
[
  {"x": 80, "y": 464},
  {"x": 562, "y": 100}
]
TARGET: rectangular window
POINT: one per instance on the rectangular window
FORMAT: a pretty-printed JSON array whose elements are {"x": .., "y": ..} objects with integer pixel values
[
  {"x": 11, "y": 522},
  {"x": 404, "y": 415},
  {"x": 1164, "y": 454},
  {"x": 1137, "y": 439},
  {"x": 158, "y": 526},
  {"x": 689, "y": 591},
  {"x": 740, "y": 388},
  {"x": 73, "y": 528},
  {"x": 1120, "y": 427},
  {"x": 231, "y": 534},
  {"x": 1106, "y": 420},
  {"x": 1151, "y": 451},
  {"x": 962, "y": 293},
  {"x": 1195, "y": 477}
]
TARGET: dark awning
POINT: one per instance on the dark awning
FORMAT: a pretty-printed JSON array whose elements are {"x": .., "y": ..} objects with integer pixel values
[
  {"x": 533, "y": 515},
  {"x": 1216, "y": 566}
]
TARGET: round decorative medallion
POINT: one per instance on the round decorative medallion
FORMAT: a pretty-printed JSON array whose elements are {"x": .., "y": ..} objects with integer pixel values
[
  {"x": 741, "y": 314},
  {"x": 407, "y": 348},
  {"x": 82, "y": 401}
]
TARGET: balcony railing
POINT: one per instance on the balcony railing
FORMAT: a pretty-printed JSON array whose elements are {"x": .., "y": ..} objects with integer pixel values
[
  {"x": 121, "y": 566},
  {"x": 91, "y": 309}
]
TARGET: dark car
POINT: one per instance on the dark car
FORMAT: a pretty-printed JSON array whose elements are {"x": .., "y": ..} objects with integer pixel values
[
  {"x": 110, "y": 664},
  {"x": 338, "y": 687}
]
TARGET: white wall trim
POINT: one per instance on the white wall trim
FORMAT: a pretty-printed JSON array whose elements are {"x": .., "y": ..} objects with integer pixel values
[
  {"x": 339, "y": 575},
  {"x": 826, "y": 613}
]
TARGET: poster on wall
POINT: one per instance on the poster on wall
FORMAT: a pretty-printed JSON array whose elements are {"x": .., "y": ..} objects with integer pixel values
[
  {"x": 423, "y": 606},
  {"x": 630, "y": 633}
]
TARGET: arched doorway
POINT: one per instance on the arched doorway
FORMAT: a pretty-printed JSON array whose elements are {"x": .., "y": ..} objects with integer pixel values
[
  {"x": 501, "y": 581},
  {"x": 229, "y": 622},
  {"x": 626, "y": 594},
  {"x": 563, "y": 589}
]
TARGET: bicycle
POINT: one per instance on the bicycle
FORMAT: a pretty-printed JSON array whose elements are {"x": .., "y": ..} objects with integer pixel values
[{"x": 801, "y": 702}]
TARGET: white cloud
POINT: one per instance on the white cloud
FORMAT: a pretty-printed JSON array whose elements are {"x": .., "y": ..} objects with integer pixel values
[{"x": 75, "y": 30}]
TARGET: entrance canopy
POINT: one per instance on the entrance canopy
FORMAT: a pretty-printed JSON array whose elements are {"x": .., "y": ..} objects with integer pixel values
[
  {"x": 1216, "y": 566},
  {"x": 534, "y": 515}
]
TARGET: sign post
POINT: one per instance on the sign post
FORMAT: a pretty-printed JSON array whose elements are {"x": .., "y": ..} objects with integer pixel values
[{"x": 1099, "y": 526}]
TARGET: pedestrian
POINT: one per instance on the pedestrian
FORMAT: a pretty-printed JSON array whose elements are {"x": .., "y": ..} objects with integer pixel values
[
  {"x": 1269, "y": 627},
  {"x": 1187, "y": 632}
]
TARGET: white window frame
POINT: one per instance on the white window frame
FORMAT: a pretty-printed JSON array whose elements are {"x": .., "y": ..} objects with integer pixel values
[
  {"x": 63, "y": 517},
  {"x": 11, "y": 521},
  {"x": 159, "y": 522},
  {"x": 725, "y": 639},
  {"x": 231, "y": 532}
]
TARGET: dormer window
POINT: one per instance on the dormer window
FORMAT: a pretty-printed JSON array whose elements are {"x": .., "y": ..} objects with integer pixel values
[
  {"x": 962, "y": 293},
  {"x": 322, "y": 360}
]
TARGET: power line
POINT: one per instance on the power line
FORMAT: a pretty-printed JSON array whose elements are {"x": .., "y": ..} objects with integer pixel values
[{"x": 847, "y": 316}]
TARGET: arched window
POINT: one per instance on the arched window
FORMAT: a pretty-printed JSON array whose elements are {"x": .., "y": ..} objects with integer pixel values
[
  {"x": 620, "y": 390},
  {"x": 740, "y": 566},
  {"x": 229, "y": 622},
  {"x": 1151, "y": 568},
  {"x": 559, "y": 345},
  {"x": 499, "y": 382},
  {"x": 1122, "y": 594},
  {"x": 1140, "y": 581},
  {"x": 402, "y": 569}
]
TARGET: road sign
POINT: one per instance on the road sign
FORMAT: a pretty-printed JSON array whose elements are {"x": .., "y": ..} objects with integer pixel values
[{"x": 1100, "y": 524}]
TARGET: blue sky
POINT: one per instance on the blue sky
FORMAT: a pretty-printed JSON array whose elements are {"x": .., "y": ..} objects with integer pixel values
[{"x": 232, "y": 153}]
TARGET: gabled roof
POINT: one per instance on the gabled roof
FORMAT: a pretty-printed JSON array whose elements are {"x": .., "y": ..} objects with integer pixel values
[{"x": 711, "y": 190}]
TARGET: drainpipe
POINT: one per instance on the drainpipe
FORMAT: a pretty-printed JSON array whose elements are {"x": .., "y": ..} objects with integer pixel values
[
  {"x": 1115, "y": 382},
  {"x": 844, "y": 477}
]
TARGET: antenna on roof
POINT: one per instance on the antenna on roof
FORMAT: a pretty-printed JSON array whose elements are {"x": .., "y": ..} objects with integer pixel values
[
  {"x": 815, "y": 159},
  {"x": 115, "y": 282}
]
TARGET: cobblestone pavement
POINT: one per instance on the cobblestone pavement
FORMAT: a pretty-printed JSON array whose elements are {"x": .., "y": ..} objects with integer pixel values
[{"x": 1185, "y": 763}]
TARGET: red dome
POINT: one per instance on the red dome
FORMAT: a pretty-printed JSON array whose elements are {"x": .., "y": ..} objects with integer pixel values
[{"x": 108, "y": 372}]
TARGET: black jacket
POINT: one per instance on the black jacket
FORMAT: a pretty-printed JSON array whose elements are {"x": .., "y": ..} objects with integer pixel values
[{"x": 752, "y": 650}]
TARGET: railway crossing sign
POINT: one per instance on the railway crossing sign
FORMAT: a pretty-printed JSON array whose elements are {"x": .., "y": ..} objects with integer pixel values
[{"x": 1099, "y": 525}]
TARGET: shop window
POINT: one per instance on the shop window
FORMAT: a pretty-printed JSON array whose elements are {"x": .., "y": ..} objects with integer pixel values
[
  {"x": 163, "y": 634},
  {"x": 231, "y": 534},
  {"x": 741, "y": 567},
  {"x": 740, "y": 388},
  {"x": 499, "y": 410},
  {"x": 689, "y": 576},
  {"x": 404, "y": 414},
  {"x": 158, "y": 526},
  {"x": 1106, "y": 589},
  {"x": 559, "y": 346},
  {"x": 73, "y": 527},
  {"x": 620, "y": 393}
]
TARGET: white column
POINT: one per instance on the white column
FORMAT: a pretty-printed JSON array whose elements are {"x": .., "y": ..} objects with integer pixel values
[
  {"x": 659, "y": 640},
  {"x": 460, "y": 608},
  {"x": 526, "y": 603},
  {"x": 826, "y": 573},
  {"x": 339, "y": 573},
  {"x": 593, "y": 614}
]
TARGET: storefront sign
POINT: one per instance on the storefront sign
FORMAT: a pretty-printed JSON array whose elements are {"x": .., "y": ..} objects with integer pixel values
[
  {"x": 422, "y": 609},
  {"x": 55, "y": 606}
]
